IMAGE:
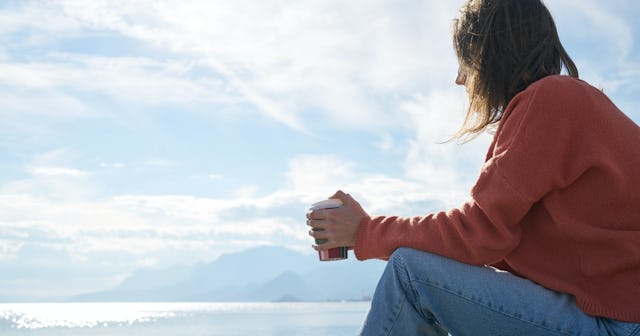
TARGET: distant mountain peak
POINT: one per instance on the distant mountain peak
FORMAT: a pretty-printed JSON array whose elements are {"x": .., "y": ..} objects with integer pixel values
[{"x": 262, "y": 273}]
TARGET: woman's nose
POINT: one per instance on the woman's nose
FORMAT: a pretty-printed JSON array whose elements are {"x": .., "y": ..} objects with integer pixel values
[{"x": 461, "y": 79}]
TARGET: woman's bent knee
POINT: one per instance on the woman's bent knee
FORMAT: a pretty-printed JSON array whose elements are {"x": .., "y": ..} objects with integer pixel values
[{"x": 411, "y": 257}]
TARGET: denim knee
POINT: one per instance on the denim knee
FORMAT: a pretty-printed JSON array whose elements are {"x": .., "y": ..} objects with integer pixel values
[
  {"x": 398, "y": 261},
  {"x": 409, "y": 264},
  {"x": 406, "y": 254},
  {"x": 412, "y": 258},
  {"x": 401, "y": 261},
  {"x": 426, "y": 267},
  {"x": 400, "y": 252}
]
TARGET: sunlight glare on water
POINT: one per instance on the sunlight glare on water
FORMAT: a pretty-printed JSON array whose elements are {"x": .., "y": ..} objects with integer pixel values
[
  {"x": 81, "y": 315},
  {"x": 153, "y": 318}
]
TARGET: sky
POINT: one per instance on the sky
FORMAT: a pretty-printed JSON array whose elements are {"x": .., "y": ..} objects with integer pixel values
[{"x": 150, "y": 133}]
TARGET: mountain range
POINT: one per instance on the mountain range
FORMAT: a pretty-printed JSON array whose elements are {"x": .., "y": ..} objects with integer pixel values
[{"x": 267, "y": 273}]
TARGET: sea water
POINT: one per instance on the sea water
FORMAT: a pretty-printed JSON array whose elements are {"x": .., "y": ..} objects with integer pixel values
[{"x": 194, "y": 319}]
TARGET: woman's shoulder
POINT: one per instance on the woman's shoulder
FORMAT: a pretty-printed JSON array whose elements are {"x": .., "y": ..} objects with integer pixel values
[
  {"x": 559, "y": 84},
  {"x": 560, "y": 90},
  {"x": 564, "y": 99},
  {"x": 555, "y": 99},
  {"x": 547, "y": 90}
]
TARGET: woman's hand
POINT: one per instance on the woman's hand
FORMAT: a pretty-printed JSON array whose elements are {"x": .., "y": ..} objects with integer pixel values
[{"x": 338, "y": 226}]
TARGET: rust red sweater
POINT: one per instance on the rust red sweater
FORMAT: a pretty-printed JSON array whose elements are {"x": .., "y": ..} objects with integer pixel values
[{"x": 557, "y": 201}]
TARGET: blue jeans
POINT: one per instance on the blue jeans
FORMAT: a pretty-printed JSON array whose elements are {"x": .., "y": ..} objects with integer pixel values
[{"x": 424, "y": 294}]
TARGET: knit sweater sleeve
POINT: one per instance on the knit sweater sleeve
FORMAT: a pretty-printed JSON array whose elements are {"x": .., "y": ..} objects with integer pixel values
[{"x": 531, "y": 154}]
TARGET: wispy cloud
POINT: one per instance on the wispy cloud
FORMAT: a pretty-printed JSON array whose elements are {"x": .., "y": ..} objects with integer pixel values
[
  {"x": 356, "y": 63},
  {"x": 610, "y": 26},
  {"x": 144, "y": 224},
  {"x": 62, "y": 79},
  {"x": 52, "y": 171},
  {"x": 285, "y": 60},
  {"x": 215, "y": 176}
]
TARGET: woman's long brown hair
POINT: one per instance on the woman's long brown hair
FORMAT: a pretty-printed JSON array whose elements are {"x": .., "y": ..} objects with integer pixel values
[{"x": 503, "y": 46}]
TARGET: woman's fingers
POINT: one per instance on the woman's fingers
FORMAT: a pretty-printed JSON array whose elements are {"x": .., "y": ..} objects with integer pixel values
[
  {"x": 318, "y": 233},
  {"x": 323, "y": 239},
  {"x": 321, "y": 236},
  {"x": 317, "y": 223},
  {"x": 320, "y": 214}
]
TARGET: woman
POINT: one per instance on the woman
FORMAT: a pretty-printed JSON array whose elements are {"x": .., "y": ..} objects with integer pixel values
[{"x": 555, "y": 210}]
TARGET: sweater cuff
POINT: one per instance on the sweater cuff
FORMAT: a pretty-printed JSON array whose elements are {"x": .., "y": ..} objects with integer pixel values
[{"x": 360, "y": 249}]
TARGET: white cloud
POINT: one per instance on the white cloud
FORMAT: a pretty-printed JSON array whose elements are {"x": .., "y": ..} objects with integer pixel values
[
  {"x": 284, "y": 59},
  {"x": 215, "y": 176},
  {"x": 19, "y": 104},
  {"x": 52, "y": 175},
  {"x": 56, "y": 88},
  {"x": 598, "y": 21},
  {"x": 116, "y": 165},
  {"x": 139, "y": 225},
  {"x": 52, "y": 171},
  {"x": 354, "y": 62},
  {"x": 313, "y": 178},
  {"x": 442, "y": 167},
  {"x": 148, "y": 224},
  {"x": 159, "y": 163},
  {"x": 318, "y": 176},
  {"x": 10, "y": 246},
  {"x": 602, "y": 40},
  {"x": 385, "y": 143},
  {"x": 43, "y": 18}
]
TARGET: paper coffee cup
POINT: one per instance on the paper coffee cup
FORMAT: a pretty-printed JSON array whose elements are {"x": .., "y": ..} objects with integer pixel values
[{"x": 336, "y": 253}]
